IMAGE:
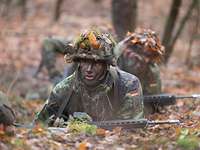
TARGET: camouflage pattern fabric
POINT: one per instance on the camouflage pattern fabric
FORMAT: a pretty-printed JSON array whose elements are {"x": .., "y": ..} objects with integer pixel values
[
  {"x": 148, "y": 74},
  {"x": 50, "y": 48},
  {"x": 7, "y": 116},
  {"x": 100, "y": 102}
]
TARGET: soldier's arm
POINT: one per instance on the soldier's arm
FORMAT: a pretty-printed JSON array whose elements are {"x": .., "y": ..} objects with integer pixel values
[
  {"x": 55, "y": 44},
  {"x": 50, "y": 108},
  {"x": 55, "y": 100},
  {"x": 132, "y": 107}
]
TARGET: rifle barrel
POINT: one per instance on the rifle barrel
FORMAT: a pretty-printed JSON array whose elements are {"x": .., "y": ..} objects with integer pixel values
[
  {"x": 177, "y": 122},
  {"x": 194, "y": 96}
]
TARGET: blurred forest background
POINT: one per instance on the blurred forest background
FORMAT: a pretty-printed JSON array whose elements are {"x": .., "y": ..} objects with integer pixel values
[{"x": 25, "y": 23}]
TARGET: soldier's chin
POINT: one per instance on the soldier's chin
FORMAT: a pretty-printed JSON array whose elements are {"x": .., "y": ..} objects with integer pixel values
[{"x": 91, "y": 81}]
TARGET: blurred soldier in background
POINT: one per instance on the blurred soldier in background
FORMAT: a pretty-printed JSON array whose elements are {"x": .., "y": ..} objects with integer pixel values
[
  {"x": 139, "y": 54},
  {"x": 51, "y": 47}
]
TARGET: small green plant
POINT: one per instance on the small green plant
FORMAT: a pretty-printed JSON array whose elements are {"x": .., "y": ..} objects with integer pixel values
[
  {"x": 81, "y": 127},
  {"x": 78, "y": 123},
  {"x": 187, "y": 141}
]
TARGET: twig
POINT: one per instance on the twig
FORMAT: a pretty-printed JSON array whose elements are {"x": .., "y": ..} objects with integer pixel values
[{"x": 13, "y": 83}]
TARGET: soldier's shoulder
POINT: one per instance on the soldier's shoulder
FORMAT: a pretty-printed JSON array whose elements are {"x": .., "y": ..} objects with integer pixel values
[
  {"x": 125, "y": 76},
  {"x": 128, "y": 80},
  {"x": 65, "y": 83}
]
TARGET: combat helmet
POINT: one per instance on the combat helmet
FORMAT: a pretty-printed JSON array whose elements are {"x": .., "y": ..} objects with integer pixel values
[
  {"x": 144, "y": 42},
  {"x": 92, "y": 45}
]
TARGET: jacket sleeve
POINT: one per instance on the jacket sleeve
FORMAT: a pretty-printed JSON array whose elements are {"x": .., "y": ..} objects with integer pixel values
[
  {"x": 50, "y": 108},
  {"x": 55, "y": 100},
  {"x": 132, "y": 107}
]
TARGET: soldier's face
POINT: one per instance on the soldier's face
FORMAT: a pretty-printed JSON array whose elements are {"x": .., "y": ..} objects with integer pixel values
[{"x": 91, "y": 70}]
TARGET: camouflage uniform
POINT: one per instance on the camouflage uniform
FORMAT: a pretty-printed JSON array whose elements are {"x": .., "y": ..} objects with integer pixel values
[
  {"x": 50, "y": 48},
  {"x": 139, "y": 54},
  {"x": 118, "y": 95},
  {"x": 7, "y": 116},
  {"x": 148, "y": 74}
]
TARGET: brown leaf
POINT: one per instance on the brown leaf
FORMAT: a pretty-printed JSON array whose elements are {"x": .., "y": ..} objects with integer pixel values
[
  {"x": 93, "y": 41},
  {"x": 84, "y": 146},
  {"x": 101, "y": 132}
]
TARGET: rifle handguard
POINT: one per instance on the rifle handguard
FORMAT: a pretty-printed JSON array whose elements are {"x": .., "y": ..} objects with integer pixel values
[
  {"x": 127, "y": 124},
  {"x": 132, "y": 124},
  {"x": 160, "y": 99}
]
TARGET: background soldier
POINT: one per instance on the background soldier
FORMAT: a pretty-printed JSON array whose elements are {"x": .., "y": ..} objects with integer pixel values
[
  {"x": 102, "y": 91},
  {"x": 140, "y": 53},
  {"x": 50, "y": 48}
]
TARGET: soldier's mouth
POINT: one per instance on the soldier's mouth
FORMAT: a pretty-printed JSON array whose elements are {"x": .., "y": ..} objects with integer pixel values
[{"x": 89, "y": 77}]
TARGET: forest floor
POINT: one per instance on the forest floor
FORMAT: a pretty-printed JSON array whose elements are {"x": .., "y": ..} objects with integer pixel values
[{"x": 20, "y": 44}]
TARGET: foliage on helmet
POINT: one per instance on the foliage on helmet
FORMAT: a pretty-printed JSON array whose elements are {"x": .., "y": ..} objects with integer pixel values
[
  {"x": 145, "y": 43},
  {"x": 94, "y": 45}
]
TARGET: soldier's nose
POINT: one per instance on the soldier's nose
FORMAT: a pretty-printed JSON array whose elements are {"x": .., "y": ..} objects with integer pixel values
[{"x": 89, "y": 68}]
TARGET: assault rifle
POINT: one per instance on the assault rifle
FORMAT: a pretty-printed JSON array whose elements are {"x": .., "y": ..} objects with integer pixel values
[
  {"x": 131, "y": 123},
  {"x": 125, "y": 124},
  {"x": 167, "y": 99}
]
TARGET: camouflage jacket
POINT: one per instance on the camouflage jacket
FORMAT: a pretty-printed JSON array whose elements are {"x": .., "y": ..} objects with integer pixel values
[
  {"x": 118, "y": 96},
  {"x": 148, "y": 74}
]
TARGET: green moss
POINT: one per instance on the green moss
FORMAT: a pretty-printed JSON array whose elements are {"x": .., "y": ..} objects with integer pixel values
[{"x": 82, "y": 127}]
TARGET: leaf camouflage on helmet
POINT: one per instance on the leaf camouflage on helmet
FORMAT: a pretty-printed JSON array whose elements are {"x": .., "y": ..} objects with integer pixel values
[
  {"x": 146, "y": 44},
  {"x": 92, "y": 45}
]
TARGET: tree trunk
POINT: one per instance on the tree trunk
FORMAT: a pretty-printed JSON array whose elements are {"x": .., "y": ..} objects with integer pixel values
[
  {"x": 183, "y": 21},
  {"x": 22, "y": 5},
  {"x": 124, "y": 16},
  {"x": 5, "y": 8},
  {"x": 57, "y": 10},
  {"x": 170, "y": 46},
  {"x": 170, "y": 24},
  {"x": 195, "y": 31}
]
